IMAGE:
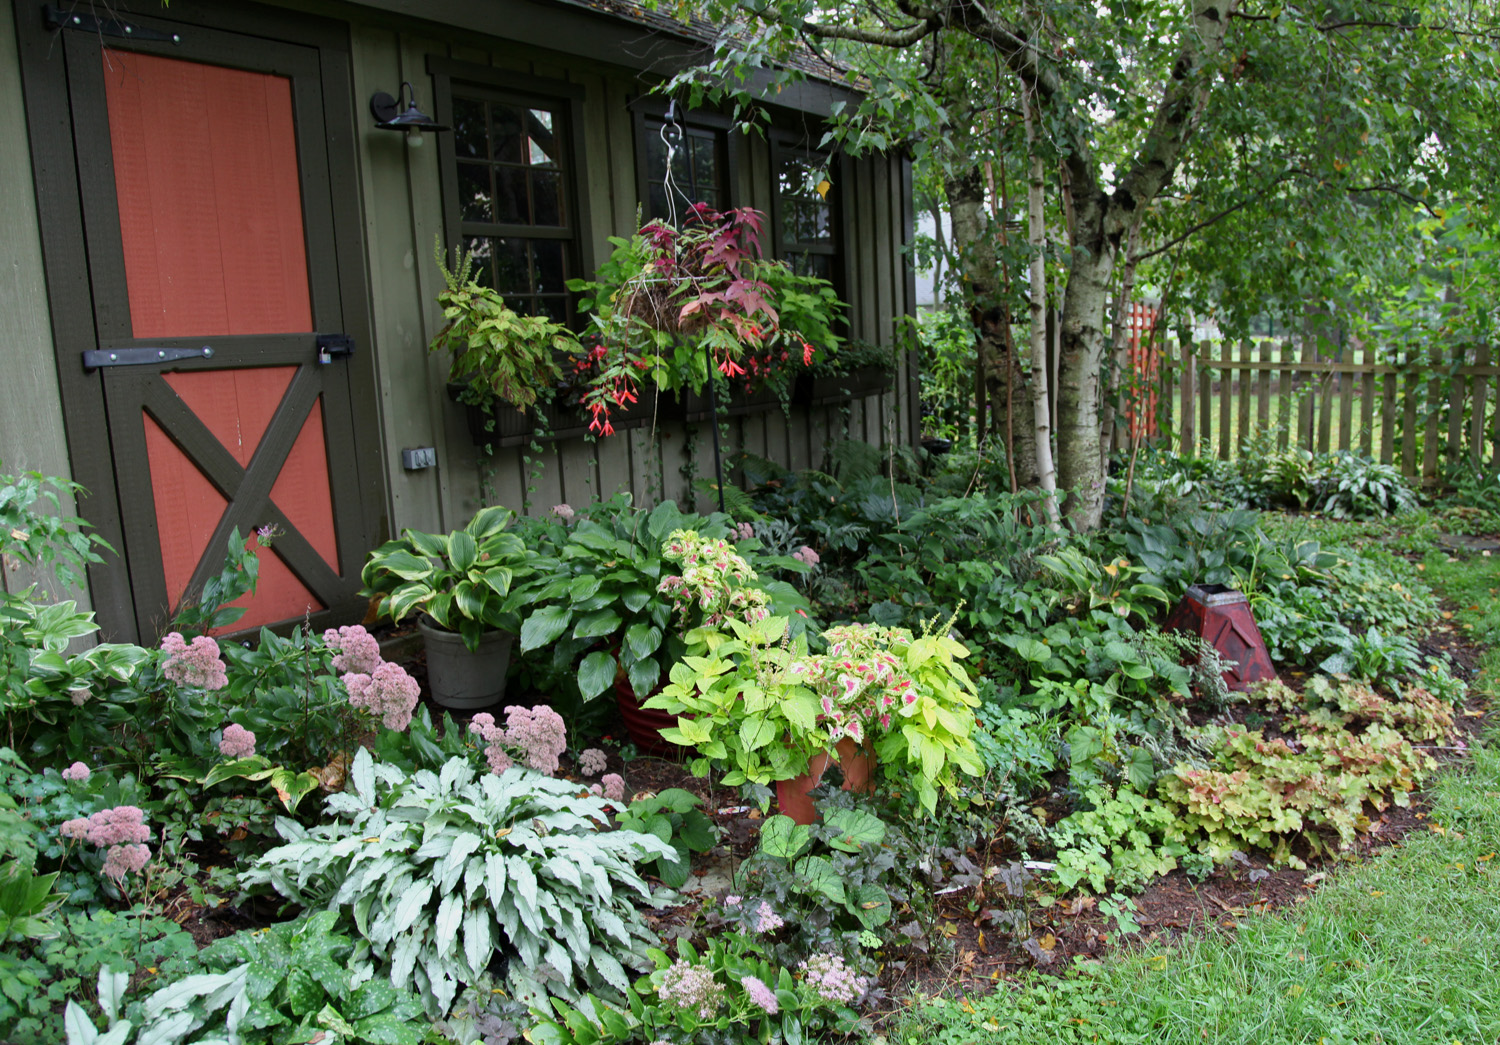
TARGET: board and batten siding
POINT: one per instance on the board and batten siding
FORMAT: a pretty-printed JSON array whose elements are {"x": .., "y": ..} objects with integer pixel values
[
  {"x": 402, "y": 197},
  {"x": 31, "y": 418}
]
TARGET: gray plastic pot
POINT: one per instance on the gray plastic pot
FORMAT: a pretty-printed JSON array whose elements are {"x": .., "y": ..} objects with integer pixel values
[{"x": 464, "y": 679}]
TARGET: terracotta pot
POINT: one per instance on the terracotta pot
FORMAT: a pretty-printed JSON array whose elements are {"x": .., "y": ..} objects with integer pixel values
[{"x": 857, "y": 763}]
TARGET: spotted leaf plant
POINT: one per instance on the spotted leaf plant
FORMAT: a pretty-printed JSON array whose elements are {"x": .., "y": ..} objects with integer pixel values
[{"x": 443, "y": 872}]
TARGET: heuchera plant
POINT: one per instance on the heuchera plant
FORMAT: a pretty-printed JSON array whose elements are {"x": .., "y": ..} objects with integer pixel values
[{"x": 679, "y": 304}]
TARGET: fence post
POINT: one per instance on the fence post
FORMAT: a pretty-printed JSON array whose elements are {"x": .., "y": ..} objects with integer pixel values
[
  {"x": 1244, "y": 394},
  {"x": 1187, "y": 437},
  {"x": 1457, "y": 391},
  {"x": 1286, "y": 379},
  {"x": 1434, "y": 404},
  {"x": 1481, "y": 395}
]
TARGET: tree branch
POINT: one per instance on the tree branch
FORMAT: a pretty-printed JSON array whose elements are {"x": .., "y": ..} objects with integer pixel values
[{"x": 878, "y": 37}]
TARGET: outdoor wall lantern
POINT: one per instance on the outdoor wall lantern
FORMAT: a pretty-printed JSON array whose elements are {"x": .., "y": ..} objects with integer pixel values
[{"x": 389, "y": 116}]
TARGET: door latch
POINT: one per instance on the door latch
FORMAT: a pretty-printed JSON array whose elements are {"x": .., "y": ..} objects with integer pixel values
[{"x": 330, "y": 345}]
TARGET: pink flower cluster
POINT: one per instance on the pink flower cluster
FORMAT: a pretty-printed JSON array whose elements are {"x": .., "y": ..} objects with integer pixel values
[
  {"x": 355, "y": 648},
  {"x": 763, "y": 996},
  {"x": 807, "y": 555},
  {"x": 564, "y": 512},
  {"x": 237, "y": 742},
  {"x": 614, "y": 787},
  {"x": 832, "y": 980},
  {"x": 122, "y": 830},
  {"x": 196, "y": 664},
  {"x": 77, "y": 772},
  {"x": 744, "y": 531},
  {"x": 592, "y": 762},
  {"x": 691, "y": 988},
  {"x": 536, "y": 735},
  {"x": 713, "y": 585},
  {"x": 861, "y": 682},
  {"x": 767, "y": 920},
  {"x": 388, "y": 692}
]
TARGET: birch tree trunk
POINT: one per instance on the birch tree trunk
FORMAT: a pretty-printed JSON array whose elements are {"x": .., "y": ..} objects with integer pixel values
[
  {"x": 1002, "y": 372},
  {"x": 1036, "y": 238}
]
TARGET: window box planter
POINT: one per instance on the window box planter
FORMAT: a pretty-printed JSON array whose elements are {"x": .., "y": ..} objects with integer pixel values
[
  {"x": 514, "y": 427},
  {"x": 825, "y": 390},
  {"x": 693, "y": 407}
]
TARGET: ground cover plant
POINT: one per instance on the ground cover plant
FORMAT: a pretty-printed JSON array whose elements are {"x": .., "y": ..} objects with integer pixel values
[{"x": 1014, "y": 730}]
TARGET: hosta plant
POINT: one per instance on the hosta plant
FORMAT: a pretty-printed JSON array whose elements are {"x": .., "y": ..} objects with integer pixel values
[
  {"x": 465, "y": 580},
  {"x": 440, "y": 871}
]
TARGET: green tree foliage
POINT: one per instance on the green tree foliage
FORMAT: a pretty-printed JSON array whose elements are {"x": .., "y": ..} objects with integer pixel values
[{"x": 1269, "y": 150}]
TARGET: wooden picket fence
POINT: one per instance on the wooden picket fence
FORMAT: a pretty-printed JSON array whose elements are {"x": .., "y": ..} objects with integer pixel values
[{"x": 1220, "y": 397}]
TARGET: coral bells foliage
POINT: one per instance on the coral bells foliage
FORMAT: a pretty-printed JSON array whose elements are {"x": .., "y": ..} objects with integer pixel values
[
  {"x": 237, "y": 742},
  {"x": 195, "y": 664},
  {"x": 388, "y": 692},
  {"x": 715, "y": 581},
  {"x": 121, "y": 830},
  {"x": 536, "y": 736},
  {"x": 355, "y": 649}
]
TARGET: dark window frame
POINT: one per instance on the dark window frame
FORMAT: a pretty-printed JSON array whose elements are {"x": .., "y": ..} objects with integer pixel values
[
  {"x": 563, "y": 99},
  {"x": 645, "y": 111},
  {"x": 783, "y": 146}
]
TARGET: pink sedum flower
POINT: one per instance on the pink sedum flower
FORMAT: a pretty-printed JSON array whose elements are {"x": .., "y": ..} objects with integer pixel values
[
  {"x": 592, "y": 762},
  {"x": 614, "y": 787},
  {"x": 77, "y": 772},
  {"x": 237, "y": 742},
  {"x": 194, "y": 664},
  {"x": 388, "y": 692},
  {"x": 762, "y": 996},
  {"x": 125, "y": 859},
  {"x": 357, "y": 650}
]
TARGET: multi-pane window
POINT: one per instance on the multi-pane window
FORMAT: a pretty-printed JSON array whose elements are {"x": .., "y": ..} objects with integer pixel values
[
  {"x": 806, "y": 236},
  {"x": 698, "y": 170},
  {"x": 513, "y": 200}
]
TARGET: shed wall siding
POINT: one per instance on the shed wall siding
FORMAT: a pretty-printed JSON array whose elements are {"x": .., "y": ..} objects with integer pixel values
[
  {"x": 403, "y": 204},
  {"x": 31, "y": 421}
]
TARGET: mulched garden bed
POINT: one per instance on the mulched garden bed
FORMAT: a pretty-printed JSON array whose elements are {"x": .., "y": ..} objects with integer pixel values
[{"x": 969, "y": 954}]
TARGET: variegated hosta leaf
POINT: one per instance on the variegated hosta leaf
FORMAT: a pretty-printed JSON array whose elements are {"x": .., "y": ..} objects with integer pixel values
[{"x": 440, "y": 869}]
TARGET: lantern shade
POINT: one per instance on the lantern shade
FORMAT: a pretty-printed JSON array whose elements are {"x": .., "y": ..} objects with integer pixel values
[{"x": 1221, "y": 617}]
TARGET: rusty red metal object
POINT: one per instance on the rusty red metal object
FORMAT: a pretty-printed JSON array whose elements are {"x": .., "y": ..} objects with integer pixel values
[{"x": 1221, "y": 616}]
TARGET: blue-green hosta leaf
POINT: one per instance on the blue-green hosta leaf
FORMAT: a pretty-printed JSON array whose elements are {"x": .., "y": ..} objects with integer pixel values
[
  {"x": 543, "y": 627},
  {"x": 596, "y": 674}
]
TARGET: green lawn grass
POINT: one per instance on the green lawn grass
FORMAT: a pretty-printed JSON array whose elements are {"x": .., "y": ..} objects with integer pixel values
[{"x": 1402, "y": 948}]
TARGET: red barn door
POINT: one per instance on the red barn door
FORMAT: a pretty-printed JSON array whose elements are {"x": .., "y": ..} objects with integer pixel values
[{"x": 207, "y": 213}]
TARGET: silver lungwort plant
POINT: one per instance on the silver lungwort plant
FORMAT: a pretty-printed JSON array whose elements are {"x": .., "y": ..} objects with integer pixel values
[{"x": 439, "y": 871}]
